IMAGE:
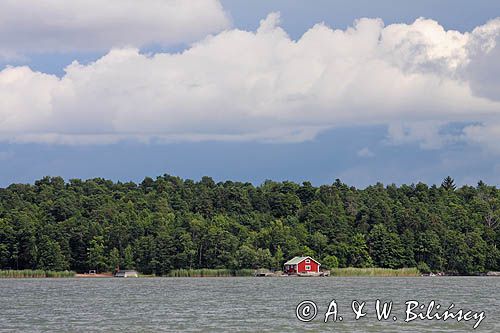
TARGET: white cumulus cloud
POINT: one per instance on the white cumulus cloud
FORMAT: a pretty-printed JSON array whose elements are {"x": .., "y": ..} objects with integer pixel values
[
  {"x": 365, "y": 152},
  {"x": 486, "y": 134},
  {"x": 264, "y": 86},
  {"x": 33, "y": 26}
]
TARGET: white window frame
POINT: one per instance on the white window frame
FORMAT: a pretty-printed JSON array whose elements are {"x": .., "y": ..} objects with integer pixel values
[
  {"x": 308, "y": 267},
  {"x": 308, "y": 261}
]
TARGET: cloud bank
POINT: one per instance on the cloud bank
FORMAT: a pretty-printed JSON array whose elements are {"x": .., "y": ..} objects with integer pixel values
[
  {"x": 264, "y": 86},
  {"x": 34, "y": 26}
]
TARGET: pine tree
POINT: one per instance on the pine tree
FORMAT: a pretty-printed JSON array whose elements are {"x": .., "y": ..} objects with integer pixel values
[{"x": 448, "y": 184}]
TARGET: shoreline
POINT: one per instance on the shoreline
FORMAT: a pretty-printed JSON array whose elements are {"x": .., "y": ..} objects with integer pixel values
[
  {"x": 212, "y": 273},
  {"x": 104, "y": 276},
  {"x": 108, "y": 276},
  {"x": 87, "y": 276}
]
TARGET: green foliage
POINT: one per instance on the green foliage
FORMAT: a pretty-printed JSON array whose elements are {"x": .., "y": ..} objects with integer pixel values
[
  {"x": 330, "y": 262},
  {"x": 210, "y": 272},
  {"x": 95, "y": 254},
  {"x": 50, "y": 256},
  {"x": 114, "y": 259},
  {"x": 128, "y": 258},
  {"x": 352, "y": 271},
  {"x": 386, "y": 248},
  {"x": 279, "y": 259},
  {"x": 448, "y": 184},
  {"x": 39, "y": 273},
  {"x": 358, "y": 252},
  {"x": 168, "y": 224},
  {"x": 423, "y": 268}
]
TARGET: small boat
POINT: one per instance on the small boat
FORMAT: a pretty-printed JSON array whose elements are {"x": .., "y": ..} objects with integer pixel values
[{"x": 127, "y": 273}]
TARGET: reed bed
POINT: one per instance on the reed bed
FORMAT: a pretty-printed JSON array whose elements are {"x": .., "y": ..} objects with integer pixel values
[
  {"x": 35, "y": 273},
  {"x": 206, "y": 272},
  {"x": 384, "y": 272},
  {"x": 147, "y": 275}
]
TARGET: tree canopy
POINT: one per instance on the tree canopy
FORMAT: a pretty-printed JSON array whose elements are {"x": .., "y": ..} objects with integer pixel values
[{"x": 170, "y": 223}]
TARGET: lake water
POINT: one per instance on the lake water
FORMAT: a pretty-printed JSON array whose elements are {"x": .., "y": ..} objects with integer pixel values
[{"x": 236, "y": 304}]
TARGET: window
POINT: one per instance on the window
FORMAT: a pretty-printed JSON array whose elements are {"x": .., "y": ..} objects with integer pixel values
[
  {"x": 308, "y": 267},
  {"x": 308, "y": 261}
]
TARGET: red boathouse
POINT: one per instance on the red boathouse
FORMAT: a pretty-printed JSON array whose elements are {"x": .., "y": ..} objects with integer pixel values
[{"x": 301, "y": 265}]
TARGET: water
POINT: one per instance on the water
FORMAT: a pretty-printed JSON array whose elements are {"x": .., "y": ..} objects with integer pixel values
[{"x": 235, "y": 304}]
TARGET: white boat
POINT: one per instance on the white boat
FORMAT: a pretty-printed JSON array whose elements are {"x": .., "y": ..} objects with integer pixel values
[{"x": 127, "y": 273}]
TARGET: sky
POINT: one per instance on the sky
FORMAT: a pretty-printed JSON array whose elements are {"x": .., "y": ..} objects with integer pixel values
[{"x": 364, "y": 91}]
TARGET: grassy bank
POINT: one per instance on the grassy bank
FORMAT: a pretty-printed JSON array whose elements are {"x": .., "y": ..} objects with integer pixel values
[
  {"x": 38, "y": 273},
  {"x": 205, "y": 272},
  {"x": 351, "y": 271}
]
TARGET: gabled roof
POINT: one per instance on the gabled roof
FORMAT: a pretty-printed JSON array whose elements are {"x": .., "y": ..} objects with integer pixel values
[{"x": 296, "y": 260}]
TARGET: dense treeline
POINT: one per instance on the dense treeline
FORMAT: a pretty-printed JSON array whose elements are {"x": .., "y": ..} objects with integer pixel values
[{"x": 169, "y": 223}]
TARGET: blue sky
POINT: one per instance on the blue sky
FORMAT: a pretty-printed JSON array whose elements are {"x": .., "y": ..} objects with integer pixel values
[{"x": 229, "y": 131}]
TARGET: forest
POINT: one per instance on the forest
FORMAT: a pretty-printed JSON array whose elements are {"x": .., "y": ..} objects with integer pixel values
[{"x": 169, "y": 223}]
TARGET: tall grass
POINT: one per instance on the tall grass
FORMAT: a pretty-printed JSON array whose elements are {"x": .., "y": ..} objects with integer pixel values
[
  {"x": 205, "y": 272},
  {"x": 351, "y": 271},
  {"x": 37, "y": 273},
  {"x": 147, "y": 275}
]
